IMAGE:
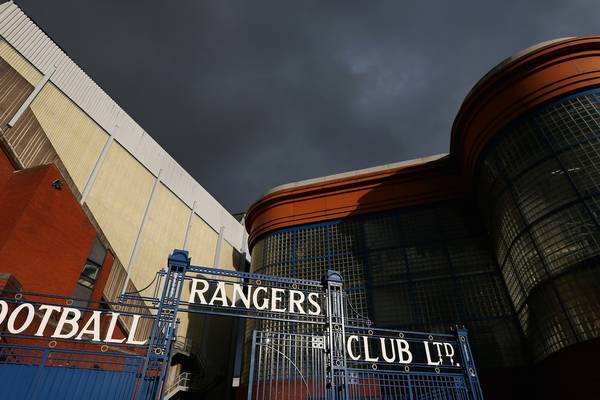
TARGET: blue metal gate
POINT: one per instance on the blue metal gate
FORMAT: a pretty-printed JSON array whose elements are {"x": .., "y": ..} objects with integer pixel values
[
  {"x": 338, "y": 358},
  {"x": 325, "y": 354},
  {"x": 293, "y": 366}
]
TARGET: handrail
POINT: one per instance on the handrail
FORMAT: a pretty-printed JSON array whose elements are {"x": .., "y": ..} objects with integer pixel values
[{"x": 185, "y": 381}]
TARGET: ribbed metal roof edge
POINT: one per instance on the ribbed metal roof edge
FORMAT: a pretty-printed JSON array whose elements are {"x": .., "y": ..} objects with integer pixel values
[{"x": 40, "y": 50}]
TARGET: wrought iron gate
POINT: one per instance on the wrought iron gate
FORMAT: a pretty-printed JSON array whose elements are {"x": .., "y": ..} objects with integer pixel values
[
  {"x": 287, "y": 366},
  {"x": 319, "y": 349},
  {"x": 324, "y": 365},
  {"x": 293, "y": 366}
]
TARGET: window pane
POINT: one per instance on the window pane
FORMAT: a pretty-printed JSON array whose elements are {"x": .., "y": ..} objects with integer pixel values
[{"x": 90, "y": 271}]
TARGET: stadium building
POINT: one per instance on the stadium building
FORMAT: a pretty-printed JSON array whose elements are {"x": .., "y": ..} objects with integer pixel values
[
  {"x": 501, "y": 234},
  {"x": 91, "y": 205}
]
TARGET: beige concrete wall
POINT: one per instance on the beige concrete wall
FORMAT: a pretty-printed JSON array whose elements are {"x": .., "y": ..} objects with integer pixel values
[
  {"x": 19, "y": 63},
  {"x": 164, "y": 231},
  {"x": 122, "y": 188},
  {"x": 121, "y": 191},
  {"x": 118, "y": 199},
  {"x": 202, "y": 242},
  {"x": 229, "y": 257},
  {"x": 77, "y": 139}
]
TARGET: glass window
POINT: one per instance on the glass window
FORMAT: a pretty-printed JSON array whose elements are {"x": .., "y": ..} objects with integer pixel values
[
  {"x": 422, "y": 268},
  {"x": 89, "y": 274},
  {"x": 544, "y": 222}
]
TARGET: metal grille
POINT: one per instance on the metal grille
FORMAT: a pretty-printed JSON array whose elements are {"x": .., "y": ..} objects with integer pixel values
[
  {"x": 30, "y": 372},
  {"x": 307, "y": 252},
  {"x": 373, "y": 385},
  {"x": 287, "y": 366},
  {"x": 282, "y": 364},
  {"x": 292, "y": 366}
]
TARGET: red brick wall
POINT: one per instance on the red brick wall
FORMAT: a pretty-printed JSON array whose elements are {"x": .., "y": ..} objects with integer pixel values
[
  {"x": 45, "y": 237},
  {"x": 6, "y": 168}
]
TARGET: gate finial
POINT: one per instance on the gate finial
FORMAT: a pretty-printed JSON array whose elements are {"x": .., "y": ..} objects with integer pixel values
[
  {"x": 179, "y": 258},
  {"x": 332, "y": 276}
]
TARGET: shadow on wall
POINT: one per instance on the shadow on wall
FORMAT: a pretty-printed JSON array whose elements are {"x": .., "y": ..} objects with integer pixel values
[
  {"x": 214, "y": 353},
  {"x": 567, "y": 374}
]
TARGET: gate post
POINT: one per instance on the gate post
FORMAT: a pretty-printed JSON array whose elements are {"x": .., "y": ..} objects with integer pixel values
[
  {"x": 462, "y": 339},
  {"x": 165, "y": 325},
  {"x": 336, "y": 383}
]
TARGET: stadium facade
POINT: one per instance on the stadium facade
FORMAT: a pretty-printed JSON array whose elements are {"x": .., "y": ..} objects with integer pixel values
[
  {"x": 91, "y": 205},
  {"x": 502, "y": 234}
]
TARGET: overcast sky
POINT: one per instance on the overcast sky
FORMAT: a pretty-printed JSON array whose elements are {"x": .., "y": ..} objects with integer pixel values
[{"x": 251, "y": 94}]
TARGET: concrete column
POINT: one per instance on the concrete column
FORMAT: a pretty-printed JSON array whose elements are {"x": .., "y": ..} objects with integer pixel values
[
  {"x": 189, "y": 227},
  {"x": 138, "y": 240},
  {"x": 217, "y": 259},
  {"x": 89, "y": 184},
  {"x": 38, "y": 88}
]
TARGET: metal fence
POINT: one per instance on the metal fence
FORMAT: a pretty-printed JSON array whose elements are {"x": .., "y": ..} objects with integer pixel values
[
  {"x": 40, "y": 359},
  {"x": 287, "y": 366},
  {"x": 34, "y": 372},
  {"x": 398, "y": 385},
  {"x": 293, "y": 366}
]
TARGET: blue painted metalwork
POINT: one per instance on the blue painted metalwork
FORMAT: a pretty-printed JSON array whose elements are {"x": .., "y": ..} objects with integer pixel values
[
  {"x": 287, "y": 365},
  {"x": 295, "y": 366},
  {"x": 246, "y": 280},
  {"x": 40, "y": 367},
  {"x": 283, "y": 365},
  {"x": 34, "y": 372},
  {"x": 164, "y": 330},
  {"x": 469, "y": 363},
  {"x": 336, "y": 382}
]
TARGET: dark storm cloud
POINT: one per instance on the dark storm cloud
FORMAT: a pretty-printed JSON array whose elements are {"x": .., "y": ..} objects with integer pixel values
[{"x": 247, "y": 95}]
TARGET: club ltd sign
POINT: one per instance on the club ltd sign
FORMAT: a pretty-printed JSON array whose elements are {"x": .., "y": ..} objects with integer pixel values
[{"x": 389, "y": 350}]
